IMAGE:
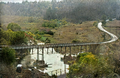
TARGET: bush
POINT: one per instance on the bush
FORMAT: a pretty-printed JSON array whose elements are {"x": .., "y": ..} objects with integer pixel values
[
  {"x": 19, "y": 38},
  {"x": 75, "y": 41},
  {"x": 50, "y": 24},
  {"x": 14, "y": 27},
  {"x": 89, "y": 64},
  {"x": 95, "y": 23},
  {"x": 7, "y": 56}
]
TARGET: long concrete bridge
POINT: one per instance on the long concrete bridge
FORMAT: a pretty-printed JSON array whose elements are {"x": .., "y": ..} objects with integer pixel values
[{"x": 87, "y": 46}]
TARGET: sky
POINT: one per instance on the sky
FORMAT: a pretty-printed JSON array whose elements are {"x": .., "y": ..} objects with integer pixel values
[{"x": 20, "y": 1}]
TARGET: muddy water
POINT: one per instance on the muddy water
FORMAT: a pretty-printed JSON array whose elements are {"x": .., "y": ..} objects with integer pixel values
[{"x": 54, "y": 59}]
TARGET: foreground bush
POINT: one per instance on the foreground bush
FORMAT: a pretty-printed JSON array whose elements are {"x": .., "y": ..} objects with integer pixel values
[{"x": 89, "y": 64}]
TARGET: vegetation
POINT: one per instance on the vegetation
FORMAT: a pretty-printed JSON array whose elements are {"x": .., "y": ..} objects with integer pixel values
[
  {"x": 90, "y": 65},
  {"x": 75, "y": 11},
  {"x": 7, "y": 56},
  {"x": 54, "y": 23},
  {"x": 19, "y": 38},
  {"x": 12, "y": 37},
  {"x": 14, "y": 27}
]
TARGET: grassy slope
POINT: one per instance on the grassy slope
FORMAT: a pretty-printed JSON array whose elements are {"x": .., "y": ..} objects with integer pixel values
[{"x": 84, "y": 32}]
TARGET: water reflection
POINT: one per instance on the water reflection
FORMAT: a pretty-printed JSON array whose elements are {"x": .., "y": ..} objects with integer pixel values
[{"x": 51, "y": 58}]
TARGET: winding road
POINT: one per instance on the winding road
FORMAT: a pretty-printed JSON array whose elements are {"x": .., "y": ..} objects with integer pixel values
[{"x": 113, "y": 37}]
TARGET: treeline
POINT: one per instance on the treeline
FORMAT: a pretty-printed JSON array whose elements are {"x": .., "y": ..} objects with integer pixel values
[
  {"x": 74, "y": 10},
  {"x": 84, "y": 10},
  {"x": 25, "y": 8}
]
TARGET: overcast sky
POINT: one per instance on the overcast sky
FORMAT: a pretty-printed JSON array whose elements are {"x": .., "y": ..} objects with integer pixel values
[{"x": 22, "y": 0}]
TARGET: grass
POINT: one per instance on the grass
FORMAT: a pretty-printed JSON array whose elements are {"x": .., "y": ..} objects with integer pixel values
[{"x": 85, "y": 32}]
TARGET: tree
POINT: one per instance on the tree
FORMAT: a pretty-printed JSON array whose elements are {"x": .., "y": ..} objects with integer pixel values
[
  {"x": 7, "y": 55},
  {"x": 104, "y": 18},
  {"x": 14, "y": 27},
  {"x": 31, "y": 19},
  {"x": 50, "y": 14},
  {"x": 75, "y": 41},
  {"x": 19, "y": 38},
  {"x": 89, "y": 64}
]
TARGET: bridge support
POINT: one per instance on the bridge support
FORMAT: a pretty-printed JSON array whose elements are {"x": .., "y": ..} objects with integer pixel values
[
  {"x": 81, "y": 49},
  {"x": 42, "y": 53},
  {"x": 70, "y": 51},
  {"x": 52, "y": 50},
  {"x": 32, "y": 50},
  {"x": 47, "y": 50},
  {"x": 65, "y": 68},
  {"x": 37, "y": 53},
  {"x": 65, "y": 51},
  {"x": 86, "y": 48}
]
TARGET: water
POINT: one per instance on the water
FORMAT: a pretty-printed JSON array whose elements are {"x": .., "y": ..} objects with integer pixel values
[{"x": 51, "y": 58}]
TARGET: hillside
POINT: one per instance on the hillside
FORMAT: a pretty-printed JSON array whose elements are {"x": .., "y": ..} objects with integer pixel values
[{"x": 84, "y": 32}]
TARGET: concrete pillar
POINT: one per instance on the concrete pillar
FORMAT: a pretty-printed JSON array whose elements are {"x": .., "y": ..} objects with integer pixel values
[
  {"x": 65, "y": 68},
  {"x": 70, "y": 51},
  {"x": 37, "y": 53},
  {"x": 86, "y": 48},
  {"x": 56, "y": 72},
  {"x": 32, "y": 50},
  {"x": 81, "y": 49},
  {"x": 52, "y": 50},
  {"x": 42, "y": 53},
  {"x": 51, "y": 73},
  {"x": 65, "y": 51},
  {"x": 60, "y": 71},
  {"x": 47, "y": 50}
]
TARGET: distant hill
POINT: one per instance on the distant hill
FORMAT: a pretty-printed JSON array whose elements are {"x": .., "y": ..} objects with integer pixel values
[{"x": 74, "y": 10}]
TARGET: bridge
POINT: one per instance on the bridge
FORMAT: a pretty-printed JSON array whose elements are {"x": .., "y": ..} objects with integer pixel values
[{"x": 82, "y": 46}]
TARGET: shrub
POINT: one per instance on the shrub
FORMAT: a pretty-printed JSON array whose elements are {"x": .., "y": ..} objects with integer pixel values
[
  {"x": 89, "y": 64},
  {"x": 14, "y": 27},
  {"x": 7, "y": 56},
  {"x": 75, "y": 41}
]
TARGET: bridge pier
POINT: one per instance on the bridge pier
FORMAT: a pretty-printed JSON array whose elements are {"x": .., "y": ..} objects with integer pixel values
[
  {"x": 47, "y": 50},
  {"x": 70, "y": 50},
  {"x": 32, "y": 50},
  {"x": 65, "y": 68},
  {"x": 65, "y": 51},
  {"x": 85, "y": 48},
  {"x": 81, "y": 49},
  {"x": 37, "y": 53},
  {"x": 52, "y": 50},
  {"x": 43, "y": 53}
]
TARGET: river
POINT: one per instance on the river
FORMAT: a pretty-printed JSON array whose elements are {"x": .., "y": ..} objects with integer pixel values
[{"x": 51, "y": 58}]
